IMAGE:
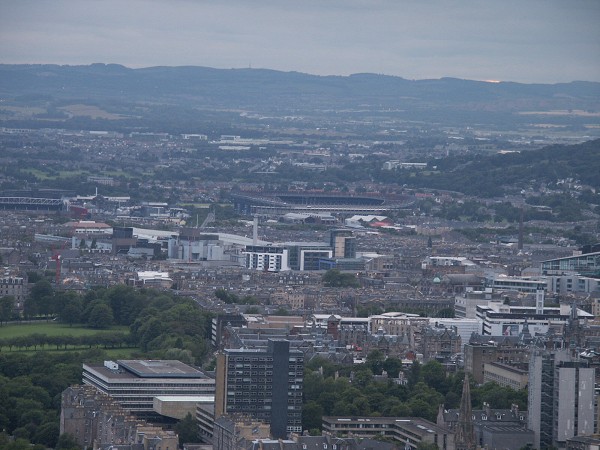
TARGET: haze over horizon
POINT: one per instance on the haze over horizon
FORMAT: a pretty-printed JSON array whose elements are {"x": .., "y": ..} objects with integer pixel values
[{"x": 538, "y": 41}]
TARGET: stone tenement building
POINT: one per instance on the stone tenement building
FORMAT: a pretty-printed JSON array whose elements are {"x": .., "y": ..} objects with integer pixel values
[
  {"x": 487, "y": 349},
  {"x": 96, "y": 420}
]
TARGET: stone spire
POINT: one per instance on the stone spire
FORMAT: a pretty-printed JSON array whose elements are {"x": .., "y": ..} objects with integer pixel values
[
  {"x": 525, "y": 336},
  {"x": 464, "y": 435}
]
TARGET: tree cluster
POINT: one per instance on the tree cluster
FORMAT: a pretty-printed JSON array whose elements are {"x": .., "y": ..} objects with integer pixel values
[
  {"x": 333, "y": 390},
  {"x": 335, "y": 278},
  {"x": 160, "y": 322},
  {"x": 30, "y": 389},
  {"x": 232, "y": 298}
]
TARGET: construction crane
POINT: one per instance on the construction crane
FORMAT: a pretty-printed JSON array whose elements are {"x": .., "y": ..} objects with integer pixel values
[{"x": 56, "y": 257}]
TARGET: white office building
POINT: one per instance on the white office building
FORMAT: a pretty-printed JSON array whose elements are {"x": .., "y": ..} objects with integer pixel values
[{"x": 135, "y": 383}]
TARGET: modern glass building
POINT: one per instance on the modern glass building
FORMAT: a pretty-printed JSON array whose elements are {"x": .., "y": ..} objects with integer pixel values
[{"x": 587, "y": 264}]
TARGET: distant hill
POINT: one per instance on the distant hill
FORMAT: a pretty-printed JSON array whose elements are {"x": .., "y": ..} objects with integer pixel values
[
  {"x": 493, "y": 175},
  {"x": 269, "y": 91}
]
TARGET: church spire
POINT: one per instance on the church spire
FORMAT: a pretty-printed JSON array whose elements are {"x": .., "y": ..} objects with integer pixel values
[{"x": 464, "y": 436}]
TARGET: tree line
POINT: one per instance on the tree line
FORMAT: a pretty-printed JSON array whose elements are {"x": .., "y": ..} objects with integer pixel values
[{"x": 38, "y": 341}]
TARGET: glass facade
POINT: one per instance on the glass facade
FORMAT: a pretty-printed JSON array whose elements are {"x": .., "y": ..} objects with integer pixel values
[{"x": 587, "y": 265}]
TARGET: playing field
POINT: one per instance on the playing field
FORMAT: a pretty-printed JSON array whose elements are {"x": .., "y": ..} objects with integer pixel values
[{"x": 53, "y": 329}]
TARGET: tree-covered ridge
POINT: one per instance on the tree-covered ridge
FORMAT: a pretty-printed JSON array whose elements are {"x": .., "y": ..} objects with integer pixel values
[{"x": 493, "y": 175}]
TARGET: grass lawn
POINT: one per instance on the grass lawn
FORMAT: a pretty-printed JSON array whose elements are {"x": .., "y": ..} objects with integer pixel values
[
  {"x": 12, "y": 331},
  {"x": 110, "y": 353},
  {"x": 60, "y": 175},
  {"x": 53, "y": 329}
]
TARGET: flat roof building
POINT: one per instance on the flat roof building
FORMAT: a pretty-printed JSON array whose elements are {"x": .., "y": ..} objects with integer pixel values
[
  {"x": 587, "y": 264},
  {"x": 410, "y": 431},
  {"x": 135, "y": 383}
]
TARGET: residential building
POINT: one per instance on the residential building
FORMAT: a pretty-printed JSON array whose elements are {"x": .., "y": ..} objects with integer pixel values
[
  {"x": 96, "y": 420},
  {"x": 264, "y": 383},
  {"x": 230, "y": 431},
  {"x": 494, "y": 429},
  {"x": 220, "y": 322},
  {"x": 268, "y": 258},
  {"x": 307, "y": 255},
  {"x": 440, "y": 343},
  {"x": 15, "y": 287},
  {"x": 440, "y": 265},
  {"x": 485, "y": 349}
]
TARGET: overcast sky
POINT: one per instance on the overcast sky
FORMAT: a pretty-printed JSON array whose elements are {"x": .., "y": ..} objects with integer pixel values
[{"x": 543, "y": 41}]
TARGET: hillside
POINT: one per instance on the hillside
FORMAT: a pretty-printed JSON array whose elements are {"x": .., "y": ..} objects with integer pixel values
[
  {"x": 494, "y": 174},
  {"x": 268, "y": 91}
]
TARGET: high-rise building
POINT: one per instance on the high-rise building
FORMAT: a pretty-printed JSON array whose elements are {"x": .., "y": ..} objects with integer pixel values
[
  {"x": 342, "y": 243},
  {"x": 265, "y": 384},
  {"x": 268, "y": 258},
  {"x": 561, "y": 398}
]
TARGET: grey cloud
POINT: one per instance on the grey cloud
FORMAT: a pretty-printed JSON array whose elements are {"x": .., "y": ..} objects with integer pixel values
[{"x": 531, "y": 41}]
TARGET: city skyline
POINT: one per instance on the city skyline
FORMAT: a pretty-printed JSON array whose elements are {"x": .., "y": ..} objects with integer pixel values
[{"x": 531, "y": 42}]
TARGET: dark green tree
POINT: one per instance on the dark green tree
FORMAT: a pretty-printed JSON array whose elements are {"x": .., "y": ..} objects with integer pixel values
[
  {"x": 392, "y": 366},
  {"x": 67, "y": 441},
  {"x": 39, "y": 300},
  {"x": 187, "y": 429},
  {"x": 335, "y": 278},
  {"x": 7, "y": 304},
  {"x": 312, "y": 416},
  {"x": 414, "y": 374},
  {"x": 434, "y": 376},
  {"x": 101, "y": 316},
  {"x": 47, "y": 434},
  {"x": 71, "y": 312},
  {"x": 375, "y": 360}
]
